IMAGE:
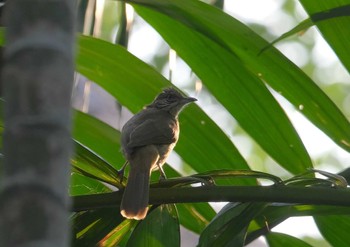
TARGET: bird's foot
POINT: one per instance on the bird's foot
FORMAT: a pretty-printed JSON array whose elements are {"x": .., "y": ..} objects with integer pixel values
[
  {"x": 162, "y": 176},
  {"x": 121, "y": 172}
]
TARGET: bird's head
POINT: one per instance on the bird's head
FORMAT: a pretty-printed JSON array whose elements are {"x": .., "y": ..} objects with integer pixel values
[{"x": 172, "y": 101}]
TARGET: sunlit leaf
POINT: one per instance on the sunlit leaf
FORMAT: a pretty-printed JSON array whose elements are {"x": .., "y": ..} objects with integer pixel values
[
  {"x": 89, "y": 164},
  {"x": 80, "y": 185},
  {"x": 119, "y": 235},
  {"x": 90, "y": 227}
]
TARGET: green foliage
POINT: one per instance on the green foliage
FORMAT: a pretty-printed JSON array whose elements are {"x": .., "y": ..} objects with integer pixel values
[
  {"x": 135, "y": 83},
  {"x": 237, "y": 67},
  {"x": 270, "y": 66},
  {"x": 279, "y": 239},
  {"x": 230, "y": 225},
  {"x": 334, "y": 228},
  {"x": 159, "y": 228}
]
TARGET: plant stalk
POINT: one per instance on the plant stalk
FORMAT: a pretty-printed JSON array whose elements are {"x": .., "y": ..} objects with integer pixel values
[{"x": 277, "y": 194}]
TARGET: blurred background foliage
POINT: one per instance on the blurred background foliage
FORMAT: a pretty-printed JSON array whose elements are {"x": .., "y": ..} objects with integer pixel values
[{"x": 238, "y": 123}]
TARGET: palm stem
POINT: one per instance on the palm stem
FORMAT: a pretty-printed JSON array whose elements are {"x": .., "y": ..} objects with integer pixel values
[{"x": 282, "y": 194}]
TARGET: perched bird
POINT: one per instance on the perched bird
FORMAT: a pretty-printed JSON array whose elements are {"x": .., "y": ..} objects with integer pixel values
[{"x": 147, "y": 139}]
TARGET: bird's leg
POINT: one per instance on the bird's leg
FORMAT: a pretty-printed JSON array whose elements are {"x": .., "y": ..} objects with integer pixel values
[
  {"x": 162, "y": 173},
  {"x": 121, "y": 171}
]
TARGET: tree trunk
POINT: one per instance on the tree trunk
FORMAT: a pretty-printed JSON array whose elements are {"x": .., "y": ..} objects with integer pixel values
[{"x": 37, "y": 77}]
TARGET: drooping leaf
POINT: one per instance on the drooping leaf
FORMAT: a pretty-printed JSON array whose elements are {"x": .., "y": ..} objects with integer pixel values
[
  {"x": 301, "y": 27},
  {"x": 271, "y": 66},
  {"x": 202, "y": 144},
  {"x": 119, "y": 235},
  {"x": 87, "y": 163},
  {"x": 275, "y": 239},
  {"x": 334, "y": 228},
  {"x": 159, "y": 228},
  {"x": 230, "y": 225},
  {"x": 335, "y": 30},
  {"x": 195, "y": 216},
  {"x": 276, "y": 213},
  {"x": 314, "y": 18},
  {"x": 90, "y": 227},
  {"x": 240, "y": 91},
  {"x": 98, "y": 137},
  {"x": 81, "y": 185}
]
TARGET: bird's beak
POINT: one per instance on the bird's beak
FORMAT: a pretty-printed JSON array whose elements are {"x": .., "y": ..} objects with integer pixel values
[{"x": 189, "y": 100}]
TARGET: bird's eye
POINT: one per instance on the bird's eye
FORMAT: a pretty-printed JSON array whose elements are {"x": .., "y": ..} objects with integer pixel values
[{"x": 170, "y": 98}]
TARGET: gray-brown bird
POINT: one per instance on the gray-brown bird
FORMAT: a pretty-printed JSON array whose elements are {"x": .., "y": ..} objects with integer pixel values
[{"x": 147, "y": 139}]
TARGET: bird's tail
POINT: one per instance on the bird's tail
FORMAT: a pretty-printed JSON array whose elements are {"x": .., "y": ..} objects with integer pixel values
[{"x": 134, "y": 204}]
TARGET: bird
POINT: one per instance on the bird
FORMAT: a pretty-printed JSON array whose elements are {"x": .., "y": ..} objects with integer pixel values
[{"x": 147, "y": 139}]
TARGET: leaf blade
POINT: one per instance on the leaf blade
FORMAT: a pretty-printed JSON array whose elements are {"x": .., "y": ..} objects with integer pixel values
[
  {"x": 334, "y": 228},
  {"x": 243, "y": 94},
  {"x": 275, "y": 239},
  {"x": 134, "y": 84},
  {"x": 159, "y": 228},
  {"x": 296, "y": 86}
]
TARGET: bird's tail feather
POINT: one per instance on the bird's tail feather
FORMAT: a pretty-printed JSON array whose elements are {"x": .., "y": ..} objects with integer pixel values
[{"x": 134, "y": 204}]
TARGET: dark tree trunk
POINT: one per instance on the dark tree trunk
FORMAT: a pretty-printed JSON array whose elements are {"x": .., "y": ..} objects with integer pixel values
[{"x": 37, "y": 77}]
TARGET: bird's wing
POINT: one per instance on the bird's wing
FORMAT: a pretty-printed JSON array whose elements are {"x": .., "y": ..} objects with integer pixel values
[{"x": 153, "y": 132}]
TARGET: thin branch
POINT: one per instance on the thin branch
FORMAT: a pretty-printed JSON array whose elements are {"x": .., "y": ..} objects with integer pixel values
[{"x": 283, "y": 194}]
